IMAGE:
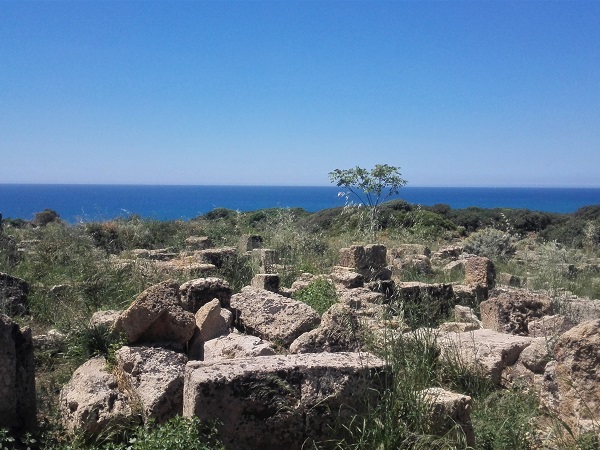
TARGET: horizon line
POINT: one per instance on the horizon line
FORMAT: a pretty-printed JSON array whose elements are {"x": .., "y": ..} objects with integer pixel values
[{"x": 524, "y": 186}]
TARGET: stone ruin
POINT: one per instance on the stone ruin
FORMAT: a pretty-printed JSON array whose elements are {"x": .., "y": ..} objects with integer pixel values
[{"x": 269, "y": 367}]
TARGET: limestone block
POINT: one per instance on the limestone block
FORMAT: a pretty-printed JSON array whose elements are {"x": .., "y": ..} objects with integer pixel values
[
  {"x": 448, "y": 409},
  {"x": 17, "y": 376},
  {"x": 266, "y": 281},
  {"x": 155, "y": 376},
  {"x": 510, "y": 311},
  {"x": 236, "y": 345},
  {"x": 92, "y": 402},
  {"x": 198, "y": 292},
  {"x": 156, "y": 315},
  {"x": 277, "y": 400},
  {"x": 272, "y": 316},
  {"x": 485, "y": 350}
]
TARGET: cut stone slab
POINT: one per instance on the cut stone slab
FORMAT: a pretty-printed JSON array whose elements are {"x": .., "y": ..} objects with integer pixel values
[
  {"x": 290, "y": 400},
  {"x": 155, "y": 376},
  {"x": 196, "y": 293},
  {"x": 448, "y": 409},
  {"x": 485, "y": 350},
  {"x": 577, "y": 378},
  {"x": 338, "y": 332},
  {"x": 480, "y": 271},
  {"x": 272, "y": 316},
  {"x": 511, "y": 310},
  {"x": 347, "y": 278},
  {"x": 91, "y": 401},
  {"x": 156, "y": 315},
  {"x": 536, "y": 355},
  {"x": 17, "y": 376},
  {"x": 550, "y": 327},
  {"x": 266, "y": 281},
  {"x": 212, "y": 321},
  {"x": 106, "y": 318},
  {"x": 236, "y": 345}
]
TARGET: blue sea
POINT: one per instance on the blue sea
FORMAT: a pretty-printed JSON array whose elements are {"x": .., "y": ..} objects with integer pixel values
[{"x": 84, "y": 203}]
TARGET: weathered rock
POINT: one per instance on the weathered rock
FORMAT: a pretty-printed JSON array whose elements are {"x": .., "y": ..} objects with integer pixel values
[
  {"x": 418, "y": 264},
  {"x": 13, "y": 295},
  {"x": 53, "y": 341},
  {"x": 155, "y": 377},
  {"x": 510, "y": 311},
  {"x": 347, "y": 278},
  {"x": 272, "y": 401},
  {"x": 440, "y": 296},
  {"x": 359, "y": 297},
  {"x": 484, "y": 350},
  {"x": 582, "y": 309},
  {"x": 163, "y": 254},
  {"x": 266, "y": 259},
  {"x": 406, "y": 250},
  {"x": 369, "y": 261},
  {"x": 92, "y": 402},
  {"x": 480, "y": 270},
  {"x": 510, "y": 280},
  {"x": 216, "y": 256},
  {"x": 385, "y": 287},
  {"x": 211, "y": 322},
  {"x": 198, "y": 243},
  {"x": 304, "y": 280},
  {"x": 576, "y": 396},
  {"x": 266, "y": 281},
  {"x": 466, "y": 314},
  {"x": 338, "y": 332},
  {"x": 271, "y": 316},
  {"x": 469, "y": 294},
  {"x": 198, "y": 292},
  {"x": 156, "y": 315},
  {"x": 236, "y": 345},
  {"x": 536, "y": 355},
  {"x": 549, "y": 326},
  {"x": 17, "y": 376},
  {"x": 458, "y": 327},
  {"x": 450, "y": 252},
  {"x": 448, "y": 409},
  {"x": 187, "y": 265},
  {"x": 456, "y": 265},
  {"x": 106, "y": 318},
  {"x": 250, "y": 242}
]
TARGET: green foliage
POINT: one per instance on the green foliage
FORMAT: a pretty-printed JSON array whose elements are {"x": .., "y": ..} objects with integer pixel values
[
  {"x": 43, "y": 218},
  {"x": 504, "y": 420},
  {"x": 89, "y": 341},
  {"x": 320, "y": 294},
  {"x": 179, "y": 433},
  {"x": 490, "y": 242}
]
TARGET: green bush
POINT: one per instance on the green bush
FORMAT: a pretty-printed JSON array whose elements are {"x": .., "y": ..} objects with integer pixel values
[
  {"x": 179, "y": 433},
  {"x": 490, "y": 242},
  {"x": 503, "y": 420},
  {"x": 320, "y": 294}
]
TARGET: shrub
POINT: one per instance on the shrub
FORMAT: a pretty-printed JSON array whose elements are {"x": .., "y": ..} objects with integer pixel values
[
  {"x": 43, "y": 218},
  {"x": 504, "y": 420},
  {"x": 490, "y": 242},
  {"x": 320, "y": 294}
]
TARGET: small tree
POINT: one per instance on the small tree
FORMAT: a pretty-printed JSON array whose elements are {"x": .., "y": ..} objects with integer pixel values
[{"x": 370, "y": 187}]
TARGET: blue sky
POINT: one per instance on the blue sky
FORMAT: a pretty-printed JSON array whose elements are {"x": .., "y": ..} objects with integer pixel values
[{"x": 478, "y": 93}]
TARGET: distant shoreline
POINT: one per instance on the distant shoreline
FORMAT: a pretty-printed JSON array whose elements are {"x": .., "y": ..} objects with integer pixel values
[{"x": 93, "y": 202}]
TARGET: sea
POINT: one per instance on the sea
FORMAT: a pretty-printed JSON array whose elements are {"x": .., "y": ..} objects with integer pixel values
[{"x": 88, "y": 203}]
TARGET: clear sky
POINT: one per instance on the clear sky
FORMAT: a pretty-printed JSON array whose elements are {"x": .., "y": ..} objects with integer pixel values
[{"x": 478, "y": 93}]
